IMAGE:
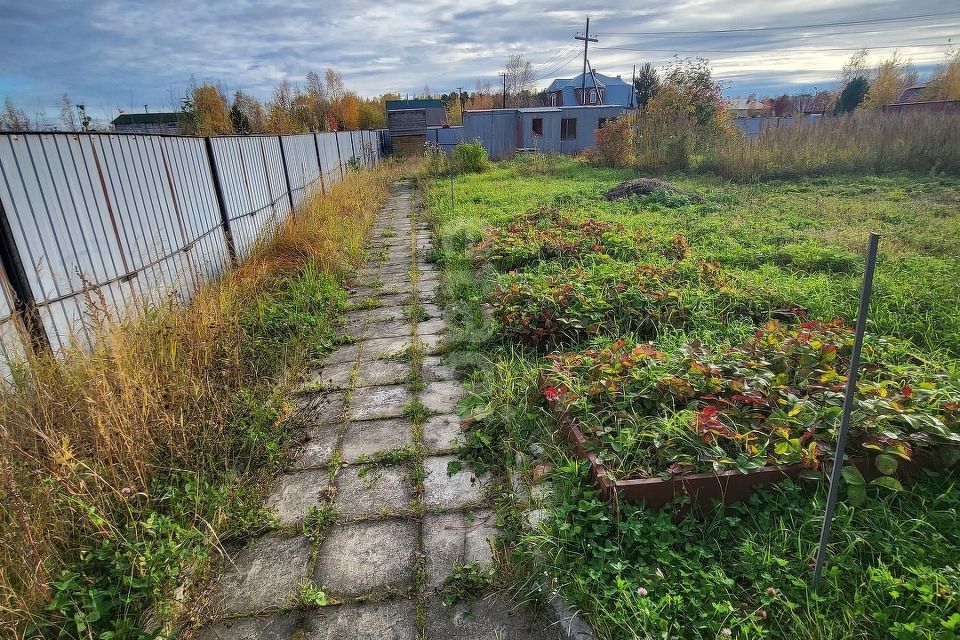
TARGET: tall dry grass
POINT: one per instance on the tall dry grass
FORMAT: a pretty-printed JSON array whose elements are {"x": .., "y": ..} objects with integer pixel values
[
  {"x": 84, "y": 436},
  {"x": 860, "y": 142}
]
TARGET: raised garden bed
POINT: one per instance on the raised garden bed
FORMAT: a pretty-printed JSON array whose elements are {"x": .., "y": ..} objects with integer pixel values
[
  {"x": 716, "y": 424},
  {"x": 706, "y": 489}
]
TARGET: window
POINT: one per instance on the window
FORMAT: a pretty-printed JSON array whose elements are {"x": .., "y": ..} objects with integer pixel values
[
  {"x": 593, "y": 96},
  {"x": 553, "y": 99},
  {"x": 538, "y": 126},
  {"x": 568, "y": 128}
]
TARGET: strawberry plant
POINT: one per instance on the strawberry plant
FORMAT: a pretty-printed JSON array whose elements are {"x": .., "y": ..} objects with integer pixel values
[
  {"x": 775, "y": 399},
  {"x": 553, "y": 305},
  {"x": 549, "y": 235}
]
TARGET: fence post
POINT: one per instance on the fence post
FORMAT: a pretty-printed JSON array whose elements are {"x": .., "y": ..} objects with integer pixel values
[
  {"x": 339, "y": 156},
  {"x": 353, "y": 148},
  {"x": 316, "y": 145},
  {"x": 24, "y": 304},
  {"x": 221, "y": 204},
  {"x": 286, "y": 174}
]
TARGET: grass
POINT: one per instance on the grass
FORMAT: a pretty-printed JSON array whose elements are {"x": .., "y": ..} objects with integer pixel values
[
  {"x": 805, "y": 238},
  {"x": 867, "y": 142},
  {"x": 741, "y": 572},
  {"x": 121, "y": 467}
]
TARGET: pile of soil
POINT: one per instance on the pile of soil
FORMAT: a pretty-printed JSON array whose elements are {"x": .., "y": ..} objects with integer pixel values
[{"x": 646, "y": 186}]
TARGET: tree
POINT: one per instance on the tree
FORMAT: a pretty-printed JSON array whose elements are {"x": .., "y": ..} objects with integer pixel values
[
  {"x": 335, "y": 87},
  {"x": 891, "y": 77},
  {"x": 481, "y": 98},
  {"x": 246, "y": 114},
  {"x": 852, "y": 95},
  {"x": 280, "y": 118},
  {"x": 67, "y": 115},
  {"x": 855, "y": 67},
  {"x": 944, "y": 84},
  {"x": 13, "y": 118},
  {"x": 783, "y": 106},
  {"x": 205, "y": 111},
  {"x": 693, "y": 80},
  {"x": 453, "y": 108},
  {"x": 646, "y": 84},
  {"x": 520, "y": 77},
  {"x": 318, "y": 99}
]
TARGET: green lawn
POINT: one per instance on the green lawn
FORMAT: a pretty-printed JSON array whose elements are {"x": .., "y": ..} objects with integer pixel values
[{"x": 753, "y": 250}]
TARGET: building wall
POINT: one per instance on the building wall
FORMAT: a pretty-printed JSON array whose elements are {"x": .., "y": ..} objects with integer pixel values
[
  {"x": 588, "y": 119},
  {"x": 496, "y": 129},
  {"x": 503, "y": 130},
  {"x": 550, "y": 141},
  {"x": 929, "y": 106},
  {"x": 168, "y": 128}
]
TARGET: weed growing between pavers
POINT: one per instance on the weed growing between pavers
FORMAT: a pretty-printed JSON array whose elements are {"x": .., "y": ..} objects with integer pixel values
[{"x": 744, "y": 572}]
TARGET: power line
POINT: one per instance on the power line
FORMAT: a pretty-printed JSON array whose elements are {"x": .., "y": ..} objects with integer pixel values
[
  {"x": 558, "y": 55},
  {"x": 809, "y": 50},
  {"x": 558, "y": 69},
  {"x": 799, "y": 26}
]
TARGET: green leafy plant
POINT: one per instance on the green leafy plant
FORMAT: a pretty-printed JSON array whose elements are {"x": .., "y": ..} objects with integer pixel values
[
  {"x": 467, "y": 582},
  {"x": 775, "y": 399},
  {"x": 470, "y": 157},
  {"x": 311, "y": 595}
]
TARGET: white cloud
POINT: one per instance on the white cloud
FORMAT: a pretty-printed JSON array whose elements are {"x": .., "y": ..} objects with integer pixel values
[{"x": 123, "y": 53}]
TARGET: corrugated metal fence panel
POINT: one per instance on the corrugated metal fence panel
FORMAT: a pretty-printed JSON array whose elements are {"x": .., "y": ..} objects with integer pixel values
[
  {"x": 301, "y": 154},
  {"x": 329, "y": 158},
  {"x": 253, "y": 201},
  {"x": 356, "y": 145},
  {"x": 12, "y": 346},
  {"x": 345, "y": 146},
  {"x": 126, "y": 220},
  {"x": 191, "y": 185}
]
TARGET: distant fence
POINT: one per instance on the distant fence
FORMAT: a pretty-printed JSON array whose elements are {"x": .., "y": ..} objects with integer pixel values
[
  {"x": 754, "y": 127},
  {"x": 132, "y": 218}
]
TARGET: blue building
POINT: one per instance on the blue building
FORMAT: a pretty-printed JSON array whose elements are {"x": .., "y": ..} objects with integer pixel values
[{"x": 596, "y": 88}]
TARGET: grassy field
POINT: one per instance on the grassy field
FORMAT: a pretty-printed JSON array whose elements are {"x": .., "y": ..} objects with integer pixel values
[{"x": 557, "y": 296}]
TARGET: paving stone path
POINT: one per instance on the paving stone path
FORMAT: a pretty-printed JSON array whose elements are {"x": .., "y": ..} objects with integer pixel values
[{"x": 381, "y": 431}]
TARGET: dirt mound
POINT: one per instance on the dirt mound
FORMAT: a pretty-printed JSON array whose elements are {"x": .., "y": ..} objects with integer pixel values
[{"x": 646, "y": 186}]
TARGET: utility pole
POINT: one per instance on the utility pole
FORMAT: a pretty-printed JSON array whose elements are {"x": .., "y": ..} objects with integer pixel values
[
  {"x": 503, "y": 101},
  {"x": 460, "y": 100},
  {"x": 583, "y": 77},
  {"x": 633, "y": 86}
]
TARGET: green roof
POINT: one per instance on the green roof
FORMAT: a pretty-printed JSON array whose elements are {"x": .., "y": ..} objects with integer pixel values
[
  {"x": 146, "y": 118},
  {"x": 395, "y": 105}
]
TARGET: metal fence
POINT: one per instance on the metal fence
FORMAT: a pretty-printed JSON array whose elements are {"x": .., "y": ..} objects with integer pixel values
[{"x": 125, "y": 220}]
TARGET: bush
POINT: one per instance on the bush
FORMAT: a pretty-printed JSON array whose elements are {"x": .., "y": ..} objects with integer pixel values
[
  {"x": 470, "y": 157},
  {"x": 615, "y": 144}
]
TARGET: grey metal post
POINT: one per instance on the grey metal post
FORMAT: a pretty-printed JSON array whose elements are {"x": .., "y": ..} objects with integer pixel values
[
  {"x": 316, "y": 144},
  {"x": 286, "y": 173},
  {"x": 24, "y": 304},
  {"x": 221, "y": 203},
  {"x": 835, "y": 476},
  {"x": 451, "y": 188}
]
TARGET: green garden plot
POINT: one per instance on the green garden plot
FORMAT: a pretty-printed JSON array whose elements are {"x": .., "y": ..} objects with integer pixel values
[{"x": 682, "y": 338}]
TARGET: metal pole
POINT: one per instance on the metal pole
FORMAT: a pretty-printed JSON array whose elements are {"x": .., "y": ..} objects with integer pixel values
[
  {"x": 451, "y": 187},
  {"x": 221, "y": 203},
  {"x": 835, "y": 476},
  {"x": 286, "y": 173},
  {"x": 24, "y": 304}
]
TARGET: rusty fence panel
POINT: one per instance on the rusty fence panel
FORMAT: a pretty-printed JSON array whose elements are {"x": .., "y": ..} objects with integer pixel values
[{"x": 118, "y": 222}]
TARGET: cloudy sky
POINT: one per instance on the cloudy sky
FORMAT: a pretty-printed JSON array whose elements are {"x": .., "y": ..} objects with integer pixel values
[{"x": 123, "y": 54}]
